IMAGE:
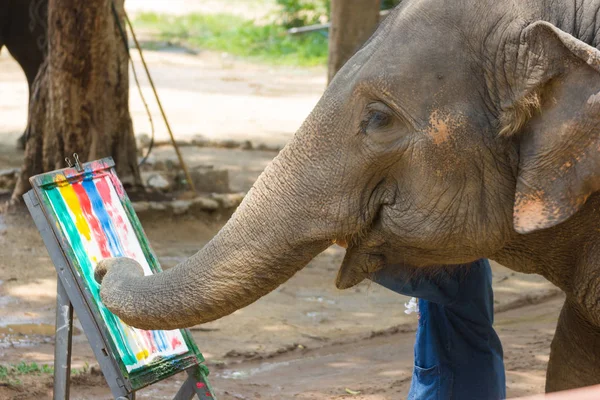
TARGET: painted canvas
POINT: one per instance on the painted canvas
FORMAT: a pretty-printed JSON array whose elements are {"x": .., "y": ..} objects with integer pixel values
[{"x": 94, "y": 219}]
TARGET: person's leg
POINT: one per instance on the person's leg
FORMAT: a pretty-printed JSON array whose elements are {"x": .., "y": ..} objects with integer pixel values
[
  {"x": 477, "y": 353},
  {"x": 458, "y": 355}
]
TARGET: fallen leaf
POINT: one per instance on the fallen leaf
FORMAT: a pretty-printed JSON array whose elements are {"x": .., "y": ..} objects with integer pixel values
[{"x": 352, "y": 392}]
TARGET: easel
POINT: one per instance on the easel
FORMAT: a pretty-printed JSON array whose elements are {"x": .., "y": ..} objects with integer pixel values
[{"x": 71, "y": 297}]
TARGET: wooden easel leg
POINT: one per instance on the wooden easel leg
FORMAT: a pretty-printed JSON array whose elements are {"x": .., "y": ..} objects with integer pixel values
[
  {"x": 196, "y": 384},
  {"x": 186, "y": 392},
  {"x": 62, "y": 345}
]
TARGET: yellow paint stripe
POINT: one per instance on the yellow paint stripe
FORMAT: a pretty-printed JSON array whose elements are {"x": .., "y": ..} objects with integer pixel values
[
  {"x": 70, "y": 197},
  {"x": 142, "y": 355}
]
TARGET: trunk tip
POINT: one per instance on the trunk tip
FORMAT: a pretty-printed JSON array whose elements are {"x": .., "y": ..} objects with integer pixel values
[{"x": 123, "y": 265}]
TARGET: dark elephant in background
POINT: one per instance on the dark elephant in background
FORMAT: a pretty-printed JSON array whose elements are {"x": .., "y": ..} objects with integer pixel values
[
  {"x": 461, "y": 130},
  {"x": 23, "y": 31}
]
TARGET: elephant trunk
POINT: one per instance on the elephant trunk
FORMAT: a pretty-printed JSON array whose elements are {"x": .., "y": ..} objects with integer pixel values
[{"x": 273, "y": 234}]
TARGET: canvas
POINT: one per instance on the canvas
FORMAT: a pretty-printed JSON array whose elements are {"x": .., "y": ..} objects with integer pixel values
[{"x": 93, "y": 219}]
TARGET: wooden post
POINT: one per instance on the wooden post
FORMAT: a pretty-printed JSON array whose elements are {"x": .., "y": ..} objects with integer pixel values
[{"x": 352, "y": 23}]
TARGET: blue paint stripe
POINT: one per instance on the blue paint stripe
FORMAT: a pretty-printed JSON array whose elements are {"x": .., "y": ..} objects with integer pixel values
[
  {"x": 114, "y": 243},
  {"x": 159, "y": 339}
]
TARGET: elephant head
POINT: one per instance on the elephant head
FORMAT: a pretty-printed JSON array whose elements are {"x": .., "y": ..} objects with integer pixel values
[{"x": 444, "y": 139}]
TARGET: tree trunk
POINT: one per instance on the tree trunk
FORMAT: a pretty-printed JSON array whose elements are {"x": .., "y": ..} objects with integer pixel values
[
  {"x": 80, "y": 97},
  {"x": 352, "y": 23}
]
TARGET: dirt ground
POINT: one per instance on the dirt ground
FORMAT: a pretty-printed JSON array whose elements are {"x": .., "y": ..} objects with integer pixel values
[{"x": 306, "y": 340}]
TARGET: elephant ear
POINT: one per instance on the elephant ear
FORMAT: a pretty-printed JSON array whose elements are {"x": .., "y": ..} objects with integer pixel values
[{"x": 559, "y": 160}]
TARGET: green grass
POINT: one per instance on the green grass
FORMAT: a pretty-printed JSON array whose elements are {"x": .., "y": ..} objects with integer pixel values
[
  {"x": 10, "y": 373},
  {"x": 237, "y": 36}
]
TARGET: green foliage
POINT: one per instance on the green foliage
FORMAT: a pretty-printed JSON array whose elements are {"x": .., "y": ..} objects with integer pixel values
[
  {"x": 86, "y": 369},
  {"x": 387, "y": 4},
  {"x": 267, "y": 42},
  {"x": 238, "y": 36},
  {"x": 304, "y": 12},
  {"x": 23, "y": 368},
  {"x": 308, "y": 12},
  {"x": 9, "y": 373}
]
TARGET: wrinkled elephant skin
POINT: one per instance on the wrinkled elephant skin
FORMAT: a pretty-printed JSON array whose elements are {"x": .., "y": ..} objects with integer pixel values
[{"x": 460, "y": 130}]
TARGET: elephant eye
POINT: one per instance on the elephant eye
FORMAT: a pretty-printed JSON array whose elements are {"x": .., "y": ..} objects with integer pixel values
[
  {"x": 379, "y": 120},
  {"x": 374, "y": 120}
]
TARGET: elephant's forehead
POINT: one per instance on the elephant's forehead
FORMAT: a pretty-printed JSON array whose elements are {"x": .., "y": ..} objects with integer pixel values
[
  {"x": 414, "y": 66},
  {"x": 417, "y": 84}
]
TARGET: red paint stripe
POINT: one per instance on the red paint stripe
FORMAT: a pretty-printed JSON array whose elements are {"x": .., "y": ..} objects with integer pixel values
[
  {"x": 104, "y": 190},
  {"x": 117, "y": 184},
  {"x": 175, "y": 343},
  {"x": 86, "y": 207},
  {"x": 150, "y": 340},
  {"x": 143, "y": 336}
]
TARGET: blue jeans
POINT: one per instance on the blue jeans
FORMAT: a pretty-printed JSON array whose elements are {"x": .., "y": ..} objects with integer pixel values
[{"x": 458, "y": 355}]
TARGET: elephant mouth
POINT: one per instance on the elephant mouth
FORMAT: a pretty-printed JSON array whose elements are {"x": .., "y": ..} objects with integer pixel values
[
  {"x": 364, "y": 249},
  {"x": 359, "y": 263},
  {"x": 341, "y": 242}
]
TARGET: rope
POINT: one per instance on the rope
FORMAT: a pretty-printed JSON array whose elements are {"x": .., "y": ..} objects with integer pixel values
[
  {"x": 190, "y": 182},
  {"x": 137, "y": 83}
]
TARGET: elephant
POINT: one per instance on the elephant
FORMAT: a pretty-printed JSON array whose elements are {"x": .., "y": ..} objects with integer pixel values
[
  {"x": 23, "y": 31},
  {"x": 461, "y": 130}
]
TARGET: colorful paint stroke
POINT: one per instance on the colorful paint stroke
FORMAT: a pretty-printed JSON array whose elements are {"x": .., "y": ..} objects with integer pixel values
[{"x": 91, "y": 216}]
